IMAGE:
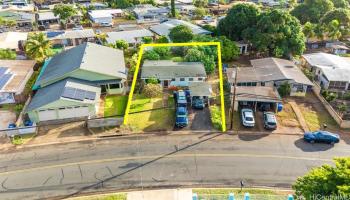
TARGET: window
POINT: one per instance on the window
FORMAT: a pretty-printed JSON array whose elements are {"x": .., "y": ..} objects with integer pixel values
[
  {"x": 190, "y": 79},
  {"x": 114, "y": 86},
  {"x": 262, "y": 83},
  {"x": 200, "y": 79},
  {"x": 173, "y": 79},
  {"x": 182, "y": 79},
  {"x": 254, "y": 84},
  {"x": 337, "y": 85},
  {"x": 239, "y": 84},
  {"x": 249, "y": 84},
  {"x": 299, "y": 87}
]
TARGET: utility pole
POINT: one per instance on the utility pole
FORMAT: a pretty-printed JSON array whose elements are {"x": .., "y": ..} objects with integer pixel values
[{"x": 234, "y": 97}]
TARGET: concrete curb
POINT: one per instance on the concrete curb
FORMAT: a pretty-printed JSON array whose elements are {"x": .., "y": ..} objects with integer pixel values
[{"x": 151, "y": 134}]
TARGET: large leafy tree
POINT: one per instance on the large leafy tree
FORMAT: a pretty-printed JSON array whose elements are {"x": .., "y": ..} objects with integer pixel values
[
  {"x": 340, "y": 3},
  {"x": 38, "y": 47},
  {"x": 277, "y": 33},
  {"x": 181, "y": 33},
  {"x": 312, "y": 10},
  {"x": 342, "y": 15},
  {"x": 65, "y": 12},
  {"x": 325, "y": 180},
  {"x": 200, "y": 3},
  {"x": 309, "y": 30},
  {"x": 333, "y": 30},
  {"x": 229, "y": 49},
  {"x": 240, "y": 17}
]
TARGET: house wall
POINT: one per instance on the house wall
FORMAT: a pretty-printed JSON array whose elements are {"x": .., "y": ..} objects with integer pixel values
[
  {"x": 179, "y": 82},
  {"x": 34, "y": 116}
]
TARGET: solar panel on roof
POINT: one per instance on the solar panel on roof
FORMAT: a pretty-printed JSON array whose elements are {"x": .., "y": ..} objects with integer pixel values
[
  {"x": 69, "y": 93},
  {"x": 79, "y": 94},
  {"x": 2, "y": 70},
  {"x": 4, "y": 79},
  {"x": 54, "y": 34},
  {"x": 90, "y": 95}
]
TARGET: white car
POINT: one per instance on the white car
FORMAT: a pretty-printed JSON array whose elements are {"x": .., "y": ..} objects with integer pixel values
[{"x": 248, "y": 117}]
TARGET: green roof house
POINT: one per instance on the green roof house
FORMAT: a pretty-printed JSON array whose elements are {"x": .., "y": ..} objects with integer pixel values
[{"x": 71, "y": 83}]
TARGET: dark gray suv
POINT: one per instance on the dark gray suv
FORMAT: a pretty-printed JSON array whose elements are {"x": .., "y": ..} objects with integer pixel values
[{"x": 270, "y": 121}]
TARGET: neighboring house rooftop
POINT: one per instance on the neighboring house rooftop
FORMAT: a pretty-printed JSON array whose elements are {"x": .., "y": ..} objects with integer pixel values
[
  {"x": 14, "y": 74},
  {"x": 335, "y": 68},
  {"x": 269, "y": 69},
  {"x": 259, "y": 93},
  {"x": 167, "y": 69},
  {"x": 279, "y": 69},
  {"x": 104, "y": 13},
  {"x": 165, "y": 27},
  {"x": 43, "y": 16},
  {"x": 17, "y": 16},
  {"x": 70, "y": 34},
  {"x": 88, "y": 57},
  {"x": 9, "y": 40},
  {"x": 67, "y": 89},
  {"x": 148, "y": 10},
  {"x": 129, "y": 36}
]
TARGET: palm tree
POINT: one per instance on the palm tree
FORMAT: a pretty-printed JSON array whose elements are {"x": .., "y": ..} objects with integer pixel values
[{"x": 38, "y": 47}]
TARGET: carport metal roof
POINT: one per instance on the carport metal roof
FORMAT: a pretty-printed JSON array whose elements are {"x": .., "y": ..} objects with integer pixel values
[
  {"x": 200, "y": 89},
  {"x": 257, "y": 94}
]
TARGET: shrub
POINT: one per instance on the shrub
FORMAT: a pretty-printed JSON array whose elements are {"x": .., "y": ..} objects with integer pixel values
[
  {"x": 346, "y": 96},
  {"x": 329, "y": 96},
  {"x": 152, "y": 81},
  {"x": 177, "y": 59},
  {"x": 162, "y": 51},
  {"x": 215, "y": 116},
  {"x": 151, "y": 55},
  {"x": 152, "y": 90},
  {"x": 284, "y": 89}
]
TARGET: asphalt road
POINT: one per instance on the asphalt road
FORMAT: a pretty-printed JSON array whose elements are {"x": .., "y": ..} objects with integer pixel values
[{"x": 200, "y": 160}]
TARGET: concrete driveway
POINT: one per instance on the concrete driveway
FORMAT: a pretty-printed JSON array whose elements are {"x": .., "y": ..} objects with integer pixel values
[
  {"x": 200, "y": 119},
  {"x": 6, "y": 117}
]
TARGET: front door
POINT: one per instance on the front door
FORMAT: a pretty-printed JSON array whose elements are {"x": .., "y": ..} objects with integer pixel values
[{"x": 165, "y": 83}]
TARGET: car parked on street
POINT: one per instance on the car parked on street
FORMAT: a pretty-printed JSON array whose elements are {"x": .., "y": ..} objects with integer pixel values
[
  {"x": 321, "y": 136},
  {"x": 247, "y": 116},
  {"x": 181, "y": 117},
  {"x": 270, "y": 121}
]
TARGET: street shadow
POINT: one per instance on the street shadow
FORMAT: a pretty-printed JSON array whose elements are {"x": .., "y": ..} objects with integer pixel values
[
  {"x": 138, "y": 166},
  {"x": 248, "y": 137},
  {"x": 308, "y": 147}
]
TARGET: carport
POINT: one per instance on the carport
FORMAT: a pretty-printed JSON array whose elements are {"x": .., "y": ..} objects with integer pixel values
[
  {"x": 200, "y": 89},
  {"x": 254, "y": 97}
]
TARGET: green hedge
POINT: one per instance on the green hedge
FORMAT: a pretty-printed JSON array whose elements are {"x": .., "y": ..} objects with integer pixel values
[{"x": 215, "y": 115}]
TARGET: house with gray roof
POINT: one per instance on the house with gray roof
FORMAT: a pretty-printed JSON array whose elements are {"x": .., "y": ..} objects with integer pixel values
[
  {"x": 271, "y": 72},
  {"x": 330, "y": 71},
  {"x": 171, "y": 73},
  {"x": 71, "y": 37},
  {"x": 132, "y": 37},
  {"x": 149, "y": 13},
  {"x": 70, "y": 84},
  {"x": 164, "y": 28}
]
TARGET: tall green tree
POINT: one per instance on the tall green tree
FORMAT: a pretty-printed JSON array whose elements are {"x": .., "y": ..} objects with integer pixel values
[
  {"x": 325, "y": 181},
  {"x": 38, "y": 47},
  {"x": 229, "y": 49},
  {"x": 162, "y": 39},
  {"x": 7, "y": 54},
  {"x": 65, "y": 12},
  {"x": 340, "y": 3},
  {"x": 320, "y": 31},
  {"x": 342, "y": 15},
  {"x": 181, "y": 33},
  {"x": 239, "y": 18},
  {"x": 312, "y": 10},
  {"x": 308, "y": 30},
  {"x": 277, "y": 33},
  {"x": 333, "y": 30}
]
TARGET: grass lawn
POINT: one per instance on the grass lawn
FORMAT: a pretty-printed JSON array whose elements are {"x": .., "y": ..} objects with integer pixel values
[
  {"x": 315, "y": 114},
  {"x": 21, "y": 139},
  {"x": 115, "y": 105},
  {"x": 141, "y": 103},
  {"x": 155, "y": 120},
  {"x": 222, "y": 193},
  {"x": 287, "y": 116},
  {"x": 10, "y": 107},
  {"x": 120, "y": 196}
]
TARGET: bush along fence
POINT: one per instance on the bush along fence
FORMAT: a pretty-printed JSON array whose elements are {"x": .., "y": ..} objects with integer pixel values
[
  {"x": 342, "y": 123},
  {"x": 245, "y": 196}
]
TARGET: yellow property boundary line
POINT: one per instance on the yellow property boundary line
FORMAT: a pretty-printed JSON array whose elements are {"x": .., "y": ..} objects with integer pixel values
[{"x": 140, "y": 53}]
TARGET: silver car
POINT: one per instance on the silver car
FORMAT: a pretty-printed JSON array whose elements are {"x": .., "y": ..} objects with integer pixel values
[
  {"x": 247, "y": 117},
  {"x": 270, "y": 121}
]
